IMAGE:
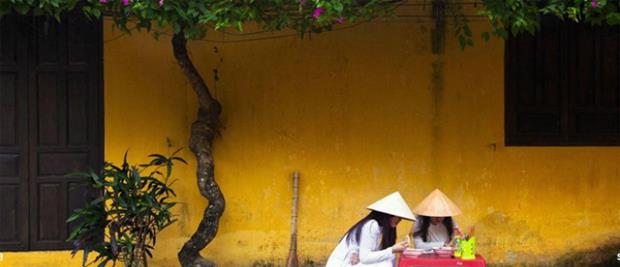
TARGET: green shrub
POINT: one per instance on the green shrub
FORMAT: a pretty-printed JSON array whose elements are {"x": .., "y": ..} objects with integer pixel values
[{"x": 123, "y": 222}]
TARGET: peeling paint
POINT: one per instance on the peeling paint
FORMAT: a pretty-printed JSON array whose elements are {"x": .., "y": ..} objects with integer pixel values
[{"x": 436, "y": 88}]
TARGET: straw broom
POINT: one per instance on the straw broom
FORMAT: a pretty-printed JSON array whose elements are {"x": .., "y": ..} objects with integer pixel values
[{"x": 292, "y": 260}]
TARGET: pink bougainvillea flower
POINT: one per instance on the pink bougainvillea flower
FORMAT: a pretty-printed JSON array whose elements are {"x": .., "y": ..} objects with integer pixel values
[
  {"x": 317, "y": 12},
  {"x": 161, "y": 2},
  {"x": 341, "y": 20},
  {"x": 125, "y": 2},
  {"x": 594, "y": 3},
  {"x": 103, "y": 1}
]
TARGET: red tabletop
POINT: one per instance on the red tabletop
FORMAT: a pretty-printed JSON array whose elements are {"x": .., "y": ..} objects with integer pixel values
[{"x": 434, "y": 260}]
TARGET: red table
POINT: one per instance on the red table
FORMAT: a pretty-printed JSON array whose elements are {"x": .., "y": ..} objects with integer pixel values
[{"x": 434, "y": 260}]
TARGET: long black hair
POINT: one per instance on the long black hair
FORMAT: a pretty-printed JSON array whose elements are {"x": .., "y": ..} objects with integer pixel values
[
  {"x": 426, "y": 222},
  {"x": 383, "y": 219}
]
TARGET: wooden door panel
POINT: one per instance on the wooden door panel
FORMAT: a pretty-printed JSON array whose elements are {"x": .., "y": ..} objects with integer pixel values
[
  {"x": 9, "y": 165},
  {"x": 59, "y": 164},
  {"x": 77, "y": 110},
  {"x": 48, "y": 100},
  {"x": 11, "y": 225},
  {"x": 50, "y": 212},
  {"x": 79, "y": 47},
  {"x": 63, "y": 113},
  {"x": 8, "y": 108},
  {"x": 13, "y": 135},
  {"x": 49, "y": 41},
  {"x": 9, "y": 52},
  {"x": 78, "y": 193}
]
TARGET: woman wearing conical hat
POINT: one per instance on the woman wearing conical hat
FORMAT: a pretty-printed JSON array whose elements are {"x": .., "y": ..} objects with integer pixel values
[
  {"x": 434, "y": 226},
  {"x": 372, "y": 240}
]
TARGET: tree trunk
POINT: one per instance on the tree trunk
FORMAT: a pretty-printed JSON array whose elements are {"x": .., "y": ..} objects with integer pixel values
[{"x": 204, "y": 130}]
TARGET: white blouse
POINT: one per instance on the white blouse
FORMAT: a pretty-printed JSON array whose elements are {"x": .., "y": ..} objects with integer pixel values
[
  {"x": 368, "y": 249},
  {"x": 437, "y": 235}
]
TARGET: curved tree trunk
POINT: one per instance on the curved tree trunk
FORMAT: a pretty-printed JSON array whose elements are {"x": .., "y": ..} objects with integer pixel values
[{"x": 203, "y": 131}]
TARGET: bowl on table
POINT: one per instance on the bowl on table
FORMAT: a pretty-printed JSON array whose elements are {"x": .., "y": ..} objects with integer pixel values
[
  {"x": 413, "y": 252},
  {"x": 444, "y": 251}
]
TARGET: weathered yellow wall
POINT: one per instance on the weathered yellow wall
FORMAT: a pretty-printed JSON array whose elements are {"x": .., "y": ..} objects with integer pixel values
[{"x": 361, "y": 113}]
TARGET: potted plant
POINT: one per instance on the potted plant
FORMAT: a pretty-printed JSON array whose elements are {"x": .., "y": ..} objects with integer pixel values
[{"x": 132, "y": 207}]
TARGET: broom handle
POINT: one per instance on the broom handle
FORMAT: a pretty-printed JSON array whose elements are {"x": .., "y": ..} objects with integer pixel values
[{"x": 294, "y": 213}]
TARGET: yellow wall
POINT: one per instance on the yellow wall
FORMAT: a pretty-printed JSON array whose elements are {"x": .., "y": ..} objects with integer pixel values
[{"x": 360, "y": 112}]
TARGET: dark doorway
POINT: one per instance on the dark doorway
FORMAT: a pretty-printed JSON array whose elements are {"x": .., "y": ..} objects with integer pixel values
[{"x": 51, "y": 124}]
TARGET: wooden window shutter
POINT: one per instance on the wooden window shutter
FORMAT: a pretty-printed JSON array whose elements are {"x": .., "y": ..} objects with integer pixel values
[{"x": 561, "y": 86}]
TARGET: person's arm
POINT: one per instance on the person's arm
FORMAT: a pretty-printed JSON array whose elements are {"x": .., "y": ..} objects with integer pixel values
[
  {"x": 370, "y": 236},
  {"x": 418, "y": 242},
  {"x": 456, "y": 230},
  {"x": 354, "y": 254}
]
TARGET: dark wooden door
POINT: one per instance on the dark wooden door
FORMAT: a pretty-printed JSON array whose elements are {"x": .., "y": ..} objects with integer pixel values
[
  {"x": 57, "y": 126},
  {"x": 13, "y": 135}
]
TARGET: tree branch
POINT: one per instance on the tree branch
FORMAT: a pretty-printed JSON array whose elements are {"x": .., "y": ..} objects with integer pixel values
[{"x": 204, "y": 130}]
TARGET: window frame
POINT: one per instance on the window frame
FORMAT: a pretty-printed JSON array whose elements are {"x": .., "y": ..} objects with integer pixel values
[{"x": 568, "y": 134}]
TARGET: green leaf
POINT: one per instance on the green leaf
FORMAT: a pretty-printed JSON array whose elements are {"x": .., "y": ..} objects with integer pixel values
[
  {"x": 467, "y": 31},
  {"x": 179, "y": 159},
  {"x": 73, "y": 217},
  {"x": 22, "y": 9},
  {"x": 96, "y": 13},
  {"x": 74, "y": 233},
  {"x": 462, "y": 42}
]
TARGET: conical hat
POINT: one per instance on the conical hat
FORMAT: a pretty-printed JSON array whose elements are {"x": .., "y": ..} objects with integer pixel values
[
  {"x": 437, "y": 204},
  {"x": 393, "y": 204}
]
